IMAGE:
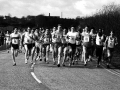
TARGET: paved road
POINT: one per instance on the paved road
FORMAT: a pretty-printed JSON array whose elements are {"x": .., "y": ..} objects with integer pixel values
[
  {"x": 76, "y": 77},
  {"x": 16, "y": 77}
]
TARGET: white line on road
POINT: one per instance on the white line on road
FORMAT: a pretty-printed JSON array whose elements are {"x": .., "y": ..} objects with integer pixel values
[
  {"x": 34, "y": 76},
  {"x": 117, "y": 74}
]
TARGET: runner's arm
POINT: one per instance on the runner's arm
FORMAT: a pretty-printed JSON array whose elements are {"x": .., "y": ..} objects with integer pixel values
[
  {"x": 106, "y": 41},
  {"x": 22, "y": 39},
  {"x": 116, "y": 42},
  {"x": 10, "y": 39}
]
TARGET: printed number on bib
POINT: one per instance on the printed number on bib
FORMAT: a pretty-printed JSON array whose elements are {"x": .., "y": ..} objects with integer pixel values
[
  {"x": 58, "y": 38},
  {"x": 72, "y": 38},
  {"x": 86, "y": 39},
  {"x": 28, "y": 41},
  {"x": 15, "y": 41}
]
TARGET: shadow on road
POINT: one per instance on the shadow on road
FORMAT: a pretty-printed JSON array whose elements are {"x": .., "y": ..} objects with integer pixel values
[{"x": 115, "y": 64}]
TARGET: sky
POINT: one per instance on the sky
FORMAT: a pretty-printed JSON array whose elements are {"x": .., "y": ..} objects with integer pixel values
[{"x": 69, "y": 8}]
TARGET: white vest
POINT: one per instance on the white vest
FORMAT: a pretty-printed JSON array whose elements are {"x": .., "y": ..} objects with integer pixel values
[
  {"x": 99, "y": 40},
  {"x": 72, "y": 37},
  {"x": 27, "y": 38},
  {"x": 111, "y": 42},
  {"x": 15, "y": 38}
]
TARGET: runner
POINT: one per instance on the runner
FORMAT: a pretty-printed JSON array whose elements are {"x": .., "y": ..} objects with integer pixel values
[
  {"x": 93, "y": 44},
  {"x": 38, "y": 45},
  {"x": 53, "y": 45},
  {"x": 86, "y": 46},
  {"x": 72, "y": 44},
  {"x": 111, "y": 42},
  {"x": 58, "y": 43},
  {"x": 14, "y": 38},
  {"x": 82, "y": 34},
  {"x": 78, "y": 47},
  {"x": 20, "y": 33},
  {"x": 7, "y": 39},
  {"x": 104, "y": 48},
  {"x": 65, "y": 46},
  {"x": 99, "y": 46},
  {"x": 27, "y": 39},
  {"x": 33, "y": 44},
  {"x": 46, "y": 44}
]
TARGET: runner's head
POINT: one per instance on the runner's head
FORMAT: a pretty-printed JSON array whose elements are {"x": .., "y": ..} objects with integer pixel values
[
  {"x": 32, "y": 31},
  {"x": 64, "y": 31},
  {"x": 54, "y": 29},
  {"x": 28, "y": 29},
  {"x": 15, "y": 30},
  {"x": 86, "y": 29},
  {"x": 36, "y": 30},
  {"x": 72, "y": 29},
  {"x": 83, "y": 30},
  {"x": 92, "y": 30},
  {"x": 59, "y": 28},
  {"x": 47, "y": 30},
  {"x": 7, "y": 32},
  {"x": 18, "y": 30},
  {"x": 100, "y": 32},
  {"x": 111, "y": 33}
]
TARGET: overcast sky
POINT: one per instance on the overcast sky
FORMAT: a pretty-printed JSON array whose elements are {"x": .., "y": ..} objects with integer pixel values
[{"x": 69, "y": 8}]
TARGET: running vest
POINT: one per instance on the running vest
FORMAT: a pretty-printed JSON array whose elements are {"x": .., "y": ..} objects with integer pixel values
[
  {"x": 27, "y": 38},
  {"x": 93, "y": 37},
  {"x": 32, "y": 36},
  {"x": 58, "y": 36},
  {"x": 15, "y": 38},
  {"x": 87, "y": 40},
  {"x": 78, "y": 42},
  {"x": 111, "y": 42},
  {"x": 37, "y": 38},
  {"x": 64, "y": 39},
  {"x": 72, "y": 37},
  {"x": 47, "y": 38},
  {"x": 99, "y": 40},
  {"x": 7, "y": 37},
  {"x": 53, "y": 37}
]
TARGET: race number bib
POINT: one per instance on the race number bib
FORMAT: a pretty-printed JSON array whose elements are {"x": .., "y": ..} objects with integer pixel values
[
  {"x": 86, "y": 39},
  {"x": 72, "y": 38},
  {"x": 100, "y": 42},
  {"x": 27, "y": 41},
  {"x": 15, "y": 41},
  {"x": 46, "y": 40},
  {"x": 58, "y": 39},
  {"x": 111, "y": 44}
]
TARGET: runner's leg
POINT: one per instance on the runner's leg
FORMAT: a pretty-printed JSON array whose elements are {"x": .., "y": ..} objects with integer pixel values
[
  {"x": 59, "y": 55},
  {"x": 47, "y": 53},
  {"x": 13, "y": 56},
  {"x": 26, "y": 53}
]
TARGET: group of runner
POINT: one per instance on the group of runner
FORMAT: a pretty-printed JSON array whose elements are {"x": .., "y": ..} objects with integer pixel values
[{"x": 66, "y": 45}]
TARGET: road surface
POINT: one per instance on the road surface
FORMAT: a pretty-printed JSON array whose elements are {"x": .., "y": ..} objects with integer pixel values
[
  {"x": 16, "y": 77},
  {"x": 76, "y": 77}
]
